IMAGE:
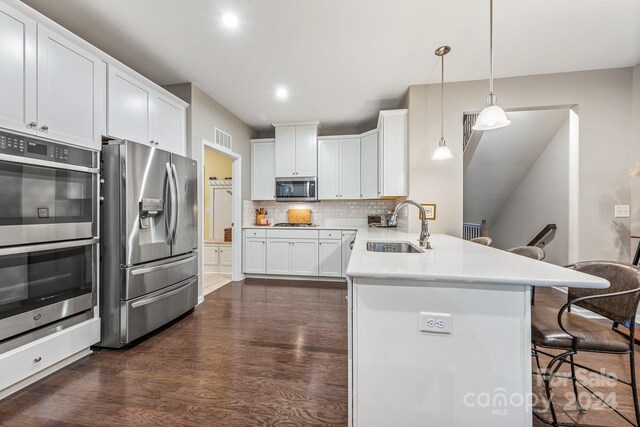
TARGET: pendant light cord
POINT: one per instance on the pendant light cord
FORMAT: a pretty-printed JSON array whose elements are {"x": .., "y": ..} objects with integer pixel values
[
  {"x": 491, "y": 47},
  {"x": 442, "y": 100}
]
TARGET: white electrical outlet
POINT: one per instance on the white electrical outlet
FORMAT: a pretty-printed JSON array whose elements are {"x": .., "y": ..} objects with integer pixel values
[
  {"x": 439, "y": 323},
  {"x": 621, "y": 211}
]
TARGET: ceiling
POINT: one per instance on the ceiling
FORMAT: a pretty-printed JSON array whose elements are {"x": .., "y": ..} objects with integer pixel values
[
  {"x": 343, "y": 60},
  {"x": 504, "y": 157}
]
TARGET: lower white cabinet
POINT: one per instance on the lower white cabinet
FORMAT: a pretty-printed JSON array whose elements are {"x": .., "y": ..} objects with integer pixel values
[
  {"x": 217, "y": 257},
  {"x": 330, "y": 256},
  {"x": 31, "y": 359},
  {"x": 255, "y": 255},
  {"x": 285, "y": 252},
  {"x": 298, "y": 257}
]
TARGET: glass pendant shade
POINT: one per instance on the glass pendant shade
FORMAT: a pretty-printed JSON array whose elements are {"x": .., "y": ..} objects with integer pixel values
[
  {"x": 442, "y": 152},
  {"x": 492, "y": 117}
]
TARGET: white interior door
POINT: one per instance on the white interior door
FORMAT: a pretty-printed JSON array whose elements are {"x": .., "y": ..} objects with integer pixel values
[{"x": 221, "y": 212}]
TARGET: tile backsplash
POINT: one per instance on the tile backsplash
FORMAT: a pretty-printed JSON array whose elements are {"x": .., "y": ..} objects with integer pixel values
[{"x": 327, "y": 213}]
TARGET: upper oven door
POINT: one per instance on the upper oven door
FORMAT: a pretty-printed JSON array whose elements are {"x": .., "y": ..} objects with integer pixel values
[
  {"x": 43, "y": 202},
  {"x": 299, "y": 189}
]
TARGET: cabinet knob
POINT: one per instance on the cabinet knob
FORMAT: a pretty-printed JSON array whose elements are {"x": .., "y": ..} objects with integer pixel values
[
  {"x": 101, "y": 180},
  {"x": 32, "y": 125},
  {"x": 44, "y": 128},
  {"x": 38, "y": 359}
]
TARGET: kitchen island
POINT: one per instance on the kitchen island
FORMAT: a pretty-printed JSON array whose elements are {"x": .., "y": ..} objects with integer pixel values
[{"x": 442, "y": 337}]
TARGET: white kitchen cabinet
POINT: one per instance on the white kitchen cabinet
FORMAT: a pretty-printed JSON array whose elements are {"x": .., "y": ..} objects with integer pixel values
[
  {"x": 393, "y": 159},
  {"x": 328, "y": 169},
  {"x": 307, "y": 150},
  {"x": 71, "y": 86},
  {"x": 279, "y": 256},
  {"x": 350, "y": 168},
  {"x": 348, "y": 237},
  {"x": 330, "y": 257},
  {"x": 339, "y": 168},
  {"x": 263, "y": 169},
  {"x": 369, "y": 165},
  {"x": 17, "y": 70},
  {"x": 127, "y": 107},
  {"x": 226, "y": 255},
  {"x": 255, "y": 255},
  {"x": 211, "y": 255},
  {"x": 137, "y": 112},
  {"x": 168, "y": 124},
  {"x": 296, "y": 148},
  {"x": 304, "y": 257}
]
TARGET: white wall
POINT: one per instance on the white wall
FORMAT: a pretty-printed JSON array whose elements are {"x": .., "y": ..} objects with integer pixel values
[
  {"x": 541, "y": 198},
  {"x": 635, "y": 193},
  {"x": 602, "y": 99}
]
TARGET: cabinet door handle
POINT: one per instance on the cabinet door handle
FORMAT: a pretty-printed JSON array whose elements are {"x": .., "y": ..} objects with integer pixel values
[
  {"x": 32, "y": 125},
  {"x": 44, "y": 128},
  {"x": 37, "y": 359}
]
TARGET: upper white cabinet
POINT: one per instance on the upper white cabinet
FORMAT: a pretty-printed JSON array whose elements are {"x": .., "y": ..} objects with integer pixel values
[
  {"x": 369, "y": 165},
  {"x": 168, "y": 124},
  {"x": 17, "y": 70},
  {"x": 393, "y": 153},
  {"x": 339, "y": 168},
  {"x": 71, "y": 83},
  {"x": 128, "y": 109},
  {"x": 263, "y": 169},
  {"x": 296, "y": 149},
  {"x": 138, "y": 113},
  {"x": 50, "y": 86}
]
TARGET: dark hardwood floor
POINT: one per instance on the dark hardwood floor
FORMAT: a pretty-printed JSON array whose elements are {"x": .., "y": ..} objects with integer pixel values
[
  {"x": 252, "y": 354},
  {"x": 255, "y": 353}
]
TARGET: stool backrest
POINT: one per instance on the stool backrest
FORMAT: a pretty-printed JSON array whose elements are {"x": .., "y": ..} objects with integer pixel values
[
  {"x": 533, "y": 252},
  {"x": 622, "y": 277},
  {"x": 482, "y": 240}
]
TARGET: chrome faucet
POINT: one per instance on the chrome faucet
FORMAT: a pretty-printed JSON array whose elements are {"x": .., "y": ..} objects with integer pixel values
[{"x": 424, "y": 230}]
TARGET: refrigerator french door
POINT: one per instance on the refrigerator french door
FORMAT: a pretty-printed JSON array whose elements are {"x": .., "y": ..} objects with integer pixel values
[{"x": 150, "y": 261}]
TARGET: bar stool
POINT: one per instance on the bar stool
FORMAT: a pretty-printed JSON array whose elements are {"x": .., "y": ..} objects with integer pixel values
[
  {"x": 564, "y": 330},
  {"x": 532, "y": 252}
]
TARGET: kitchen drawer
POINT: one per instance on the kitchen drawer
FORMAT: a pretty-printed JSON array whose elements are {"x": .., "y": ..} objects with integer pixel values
[
  {"x": 330, "y": 234},
  {"x": 149, "y": 312},
  {"x": 22, "y": 362},
  {"x": 255, "y": 232},
  {"x": 292, "y": 234},
  {"x": 142, "y": 279}
]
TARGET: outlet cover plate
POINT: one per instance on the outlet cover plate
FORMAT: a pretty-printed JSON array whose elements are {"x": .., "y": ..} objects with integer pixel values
[
  {"x": 621, "y": 211},
  {"x": 437, "y": 323}
]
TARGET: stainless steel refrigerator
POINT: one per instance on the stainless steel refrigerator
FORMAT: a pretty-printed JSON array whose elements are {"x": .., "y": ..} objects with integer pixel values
[{"x": 149, "y": 240}]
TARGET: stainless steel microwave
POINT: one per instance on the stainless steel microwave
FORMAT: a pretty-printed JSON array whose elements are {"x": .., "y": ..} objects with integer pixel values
[{"x": 298, "y": 189}]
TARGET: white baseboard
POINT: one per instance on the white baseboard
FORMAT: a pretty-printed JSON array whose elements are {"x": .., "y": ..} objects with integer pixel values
[{"x": 291, "y": 278}]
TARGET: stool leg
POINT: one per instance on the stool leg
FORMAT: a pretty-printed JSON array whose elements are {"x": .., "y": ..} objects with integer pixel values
[
  {"x": 575, "y": 385},
  {"x": 632, "y": 365}
]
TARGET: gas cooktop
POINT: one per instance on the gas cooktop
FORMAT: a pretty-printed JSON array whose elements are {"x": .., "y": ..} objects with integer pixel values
[{"x": 288, "y": 224}]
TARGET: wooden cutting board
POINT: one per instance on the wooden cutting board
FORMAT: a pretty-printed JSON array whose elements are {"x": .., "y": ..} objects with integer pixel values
[{"x": 300, "y": 216}]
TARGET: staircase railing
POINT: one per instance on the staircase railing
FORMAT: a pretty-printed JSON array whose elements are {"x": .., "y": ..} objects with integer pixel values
[
  {"x": 544, "y": 237},
  {"x": 470, "y": 231}
]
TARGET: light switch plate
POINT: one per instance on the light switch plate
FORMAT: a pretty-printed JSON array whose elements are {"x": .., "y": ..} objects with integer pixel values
[
  {"x": 621, "y": 211},
  {"x": 437, "y": 323}
]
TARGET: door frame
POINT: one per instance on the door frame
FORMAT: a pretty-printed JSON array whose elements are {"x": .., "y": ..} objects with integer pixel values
[{"x": 236, "y": 211}]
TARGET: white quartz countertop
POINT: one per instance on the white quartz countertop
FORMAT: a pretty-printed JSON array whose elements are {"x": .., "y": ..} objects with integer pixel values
[{"x": 456, "y": 260}]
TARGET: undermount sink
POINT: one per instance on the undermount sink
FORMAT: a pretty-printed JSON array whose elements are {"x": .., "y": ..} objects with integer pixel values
[{"x": 397, "y": 247}]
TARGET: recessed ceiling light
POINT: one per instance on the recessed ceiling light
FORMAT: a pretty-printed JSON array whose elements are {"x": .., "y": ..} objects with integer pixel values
[
  {"x": 230, "y": 20},
  {"x": 282, "y": 93}
]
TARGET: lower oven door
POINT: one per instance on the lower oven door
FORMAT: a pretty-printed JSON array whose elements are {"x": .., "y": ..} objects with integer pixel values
[{"x": 40, "y": 284}]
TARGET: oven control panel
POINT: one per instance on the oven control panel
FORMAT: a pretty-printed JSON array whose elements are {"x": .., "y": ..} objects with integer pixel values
[{"x": 20, "y": 145}]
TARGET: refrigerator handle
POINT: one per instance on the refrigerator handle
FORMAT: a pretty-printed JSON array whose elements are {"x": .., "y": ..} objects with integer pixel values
[
  {"x": 175, "y": 202},
  {"x": 168, "y": 215}
]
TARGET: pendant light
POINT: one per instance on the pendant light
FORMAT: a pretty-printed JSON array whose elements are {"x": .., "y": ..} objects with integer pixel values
[
  {"x": 492, "y": 117},
  {"x": 442, "y": 152}
]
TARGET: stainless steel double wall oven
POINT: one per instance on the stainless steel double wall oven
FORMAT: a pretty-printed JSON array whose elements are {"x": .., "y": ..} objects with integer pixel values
[{"x": 48, "y": 232}]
